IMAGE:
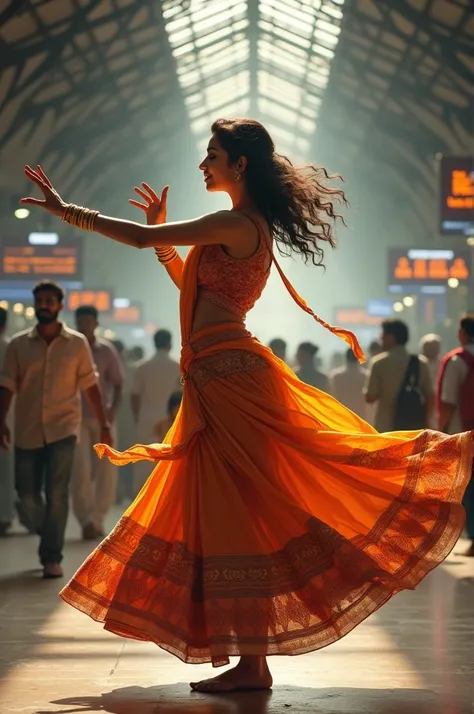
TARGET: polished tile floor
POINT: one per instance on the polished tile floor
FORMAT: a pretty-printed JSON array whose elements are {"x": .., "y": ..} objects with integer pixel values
[{"x": 415, "y": 656}]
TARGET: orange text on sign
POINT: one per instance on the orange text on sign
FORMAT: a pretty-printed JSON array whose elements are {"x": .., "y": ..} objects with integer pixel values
[
  {"x": 101, "y": 299},
  {"x": 462, "y": 190}
]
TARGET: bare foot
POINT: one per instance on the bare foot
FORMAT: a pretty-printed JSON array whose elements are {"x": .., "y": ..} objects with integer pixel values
[{"x": 238, "y": 678}]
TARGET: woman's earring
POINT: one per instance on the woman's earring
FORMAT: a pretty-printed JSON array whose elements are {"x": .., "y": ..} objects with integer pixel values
[{"x": 237, "y": 176}]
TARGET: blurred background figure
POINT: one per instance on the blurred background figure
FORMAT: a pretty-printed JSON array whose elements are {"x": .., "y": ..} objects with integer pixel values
[
  {"x": 154, "y": 381},
  {"x": 278, "y": 347},
  {"x": 337, "y": 361},
  {"x": 7, "y": 497},
  {"x": 375, "y": 348},
  {"x": 455, "y": 400},
  {"x": 347, "y": 385},
  {"x": 136, "y": 355},
  {"x": 125, "y": 424},
  {"x": 163, "y": 426},
  {"x": 306, "y": 369},
  {"x": 94, "y": 480},
  {"x": 430, "y": 347},
  {"x": 388, "y": 373}
]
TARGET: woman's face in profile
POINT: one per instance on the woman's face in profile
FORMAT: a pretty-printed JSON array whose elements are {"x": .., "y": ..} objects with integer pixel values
[{"x": 218, "y": 175}]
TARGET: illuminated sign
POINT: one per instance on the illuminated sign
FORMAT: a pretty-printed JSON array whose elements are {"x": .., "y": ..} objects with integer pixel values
[
  {"x": 101, "y": 299},
  {"x": 130, "y": 315},
  {"x": 457, "y": 195},
  {"x": 22, "y": 261},
  {"x": 428, "y": 267},
  {"x": 347, "y": 316}
]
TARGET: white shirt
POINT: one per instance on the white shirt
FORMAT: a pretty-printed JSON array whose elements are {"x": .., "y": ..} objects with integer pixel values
[
  {"x": 154, "y": 381},
  {"x": 454, "y": 376},
  {"x": 46, "y": 379}
]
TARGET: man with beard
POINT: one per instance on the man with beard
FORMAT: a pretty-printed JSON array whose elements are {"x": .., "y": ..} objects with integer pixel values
[{"x": 46, "y": 367}]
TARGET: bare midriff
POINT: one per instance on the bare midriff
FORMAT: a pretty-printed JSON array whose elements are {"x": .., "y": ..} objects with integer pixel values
[{"x": 207, "y": 314}]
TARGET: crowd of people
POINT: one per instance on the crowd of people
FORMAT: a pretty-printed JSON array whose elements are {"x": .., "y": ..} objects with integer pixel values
[{"x": 47, "y": 429}]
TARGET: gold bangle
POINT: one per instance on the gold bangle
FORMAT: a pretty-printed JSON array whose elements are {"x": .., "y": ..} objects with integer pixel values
[
  {"x": 162, "y": 252},
  {"x": 167, "y": 261},
  {"x": 92, "y": 218},
  {"x": 166, "y": 255},
  {"x": 80, "y": 217}
]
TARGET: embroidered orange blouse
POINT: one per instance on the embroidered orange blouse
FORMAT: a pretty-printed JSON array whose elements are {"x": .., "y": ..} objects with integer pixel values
[{"x": 232, "y": 283}]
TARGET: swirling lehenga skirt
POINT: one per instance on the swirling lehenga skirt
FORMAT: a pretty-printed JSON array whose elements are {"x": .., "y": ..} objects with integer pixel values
[{"x": 275, "y": 520}]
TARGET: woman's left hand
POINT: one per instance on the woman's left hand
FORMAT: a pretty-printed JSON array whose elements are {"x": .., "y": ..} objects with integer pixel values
[{"x": 52, "y": 200}]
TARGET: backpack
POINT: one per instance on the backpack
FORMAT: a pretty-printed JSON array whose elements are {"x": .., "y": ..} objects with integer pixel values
[
  {"x": 410, "y": 407},
  {"x": 466, "y": 402}
]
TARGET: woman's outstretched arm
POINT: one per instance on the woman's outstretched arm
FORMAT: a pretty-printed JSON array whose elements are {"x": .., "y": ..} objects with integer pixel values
[{"x": 222, "y": 227}]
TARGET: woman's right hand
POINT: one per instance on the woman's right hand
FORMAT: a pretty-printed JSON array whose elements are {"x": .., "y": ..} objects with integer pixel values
[{"x": 154, "y": 206}]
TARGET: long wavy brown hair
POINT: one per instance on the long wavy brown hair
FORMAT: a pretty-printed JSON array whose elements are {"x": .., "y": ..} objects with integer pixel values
[{"x": 297, "y": 201}]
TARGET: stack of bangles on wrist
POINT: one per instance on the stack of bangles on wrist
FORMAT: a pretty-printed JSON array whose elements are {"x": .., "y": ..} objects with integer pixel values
[
  {"x": 83, "y": 218},
  {"x": 166, "y": 254}
]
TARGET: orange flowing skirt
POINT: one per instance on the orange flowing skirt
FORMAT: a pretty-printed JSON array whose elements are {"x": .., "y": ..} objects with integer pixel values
[{"x": 275, "y": 520}]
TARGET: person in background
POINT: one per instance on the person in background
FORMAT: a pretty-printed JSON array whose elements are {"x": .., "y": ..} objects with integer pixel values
[
  {"x": 347, "y": 385},
  {"x": 137, "y": 354},
  {"x": 163, "y": 426},
  {"x": 6, "y": 459},
  {"x": 430, "y": 347},
  {"x": 455, "y": 401},
  {"x": 125, "y": 425},
  {"x": 307, "y": 372},
  {"x": 94, "y": 482},
  {"x": 46, "y": 367},
  {"x": 279, "y": 348},
  {"x": 155, "y": 379},
  {"x": 375, "y": 348},
  {"x": 386, "y": 375},
  {"x": 337, "y": 361}
]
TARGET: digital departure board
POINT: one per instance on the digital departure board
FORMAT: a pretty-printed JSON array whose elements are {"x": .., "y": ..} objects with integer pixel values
[
  {"x": 130, "y": 315},
  {"x": 357, "y": 316},
  {"x": 22, "y": 261},
  {"x": 457, "y": 195},
  {"x": 428, "y": 267},
  {"x": 101, "y": 299}
]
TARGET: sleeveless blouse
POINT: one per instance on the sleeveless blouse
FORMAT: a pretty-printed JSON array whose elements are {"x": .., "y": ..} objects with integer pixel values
[{"x": 234, "y": 284}]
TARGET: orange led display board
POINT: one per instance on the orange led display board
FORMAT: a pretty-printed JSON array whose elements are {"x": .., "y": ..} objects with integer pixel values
[
  {"x": 25, "y": 262},
  {"x": 101, "y": 299},
  {"x": 457, "y": 195},
  {"x": 428, "y": 267},
  {"x": 347, "y": 316},
  {"x": 131, "y": 315}
]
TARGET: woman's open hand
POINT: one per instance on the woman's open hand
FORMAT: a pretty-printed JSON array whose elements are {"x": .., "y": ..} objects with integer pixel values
[
  {"x": 154, "y": 206},
  {"x": 52, "y": 201}
]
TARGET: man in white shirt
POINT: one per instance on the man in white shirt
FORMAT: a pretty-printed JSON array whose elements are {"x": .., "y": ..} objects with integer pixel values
[
  {"x": 154, "y": 381},
  {"x": 455, "y": 370},
  {"x": 6, "y": 460},
  {"x": 46, "y": 367},
  {"x": 347, "y": 385}
]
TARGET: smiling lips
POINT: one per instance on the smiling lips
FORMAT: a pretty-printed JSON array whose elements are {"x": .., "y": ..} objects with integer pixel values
[{"x": 207, "y": 176}]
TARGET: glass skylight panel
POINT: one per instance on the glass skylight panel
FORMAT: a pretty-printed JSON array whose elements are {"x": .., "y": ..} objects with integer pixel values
[
  {"x": 209, "y": 42},
  {"x": 296, "y": 42}
]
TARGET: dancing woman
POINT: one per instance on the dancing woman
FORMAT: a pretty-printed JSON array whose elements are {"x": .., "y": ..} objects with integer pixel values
[{"x": 275, "y": 520}]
